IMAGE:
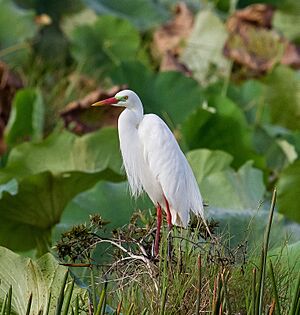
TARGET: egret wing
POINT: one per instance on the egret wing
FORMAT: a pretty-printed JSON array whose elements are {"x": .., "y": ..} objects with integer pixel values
[{"x": 169, "y": 166}]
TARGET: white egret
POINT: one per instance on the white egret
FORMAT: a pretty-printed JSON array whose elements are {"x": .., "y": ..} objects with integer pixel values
[{"x": 154, "y": 163}]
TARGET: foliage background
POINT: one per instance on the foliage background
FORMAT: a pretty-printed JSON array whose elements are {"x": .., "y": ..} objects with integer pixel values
[{"x": 224, "y": 75}]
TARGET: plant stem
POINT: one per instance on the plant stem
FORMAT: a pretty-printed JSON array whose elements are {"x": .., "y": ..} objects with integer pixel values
[{"x": 264, "y": 254}]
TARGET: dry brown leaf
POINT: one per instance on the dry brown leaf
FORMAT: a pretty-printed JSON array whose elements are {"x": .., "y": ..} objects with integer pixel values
[
  {"x": 9, "y": 84},
  {"x": 252, "y": 42},
  {"x": 170, "y": 62},
  {"x": 80, "y": 118},
  {"x": 168, "y": 40},
  {"x": 291, "y": 56}
]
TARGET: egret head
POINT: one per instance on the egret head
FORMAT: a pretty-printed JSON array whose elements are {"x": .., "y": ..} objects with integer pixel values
[{"x": 125, "y": 98}]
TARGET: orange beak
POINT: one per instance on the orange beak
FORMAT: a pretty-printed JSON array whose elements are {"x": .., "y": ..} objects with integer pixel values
[{"x": 108, "y": 101}]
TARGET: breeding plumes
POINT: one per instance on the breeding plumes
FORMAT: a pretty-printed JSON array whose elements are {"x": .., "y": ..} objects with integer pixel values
[{"x": 154, "y": 163}]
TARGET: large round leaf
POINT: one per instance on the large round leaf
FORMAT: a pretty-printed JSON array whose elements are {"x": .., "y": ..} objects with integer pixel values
[
  {"x": 248, "y": 226},
  {"x": 223, "y": 127},
  {"x": 223, "y": 187},
  {"x": 289, "y": 191},
  {"x": 41, "y": 178},
  {"x": 12, "y": 33},
  {"x": 42, "y": 278},
  {"x": 100, "y": 47},
  {"x": 64, "y": 151},
  {"x": 112, "y": 201},
  {"x": 203, "y": 53},
  {"x": 283, "y": 97},
  {"x": 132, "y": 10},
  {"x": 26, "y": 120}
]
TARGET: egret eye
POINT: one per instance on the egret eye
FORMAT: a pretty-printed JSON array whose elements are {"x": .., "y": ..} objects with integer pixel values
[{"x": 125, "y": 97}]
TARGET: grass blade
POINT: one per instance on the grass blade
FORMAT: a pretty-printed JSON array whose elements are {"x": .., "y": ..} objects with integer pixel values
[
  {"x": 48, "y": 305},
  {"x": 94, "y": 289},
  {"x": 61, "y": 295},
  {"x": 296, "y": 298},
  {"x": 76, "y": 311},
  {"x": 277, "y": 308},
  {"x": 130, "y": 309},
  {"x": 262, "y": 271},
  {"x": 8, "y": 306},
  {"x": 145, "y": 311},
  {"x": 68, "y": 297},
  {"x": 102, "y": 300},
  {"x": 4, "y": 305},
  {"x": 199, "y": 287},
  {"x": 118, "y": 311},
  {"x": 29, "y": 304}
]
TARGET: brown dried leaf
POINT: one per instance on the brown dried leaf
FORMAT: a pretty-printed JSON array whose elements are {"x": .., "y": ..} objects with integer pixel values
[
  {"x": 252, "y": 42},
  {"x": 291, "y": 56},
  {"x": 256, "y": 14},
  {"x": 80, "y": 118},
  {"x": 170, "y": 62},
  {"x": 9, "y": 84},
  {"x": 256, "y": 48},
  {"x": 168, "y": 40}
]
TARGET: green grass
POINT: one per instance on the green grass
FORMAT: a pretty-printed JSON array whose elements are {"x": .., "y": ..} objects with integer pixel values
[{"x": 201, "y": 277}]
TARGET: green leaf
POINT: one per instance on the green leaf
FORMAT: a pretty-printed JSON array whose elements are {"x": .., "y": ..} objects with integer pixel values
[
  {"x": 206, "y": 162},
  {"x": 55, "y": 8},
  {"x": 223, "y": 187},
  {"x": 286, "y": 19},
  {"x": 100, "y": 47},
  {"x": 39, "y": 278},
  {"x": 269, "y": 140},
  {"x": 64, "y": 151},
  {"x": 171, "y": 95},
  {"x": 49, "y": 175},
  {"x": 26, "y": 119},
  {"x": 289, "y": 191},
  {"x": 203, "y": 53},
  {"x": 222, "y": 126},
  {"x": 133, "y": 11},
  {"x": 249, "y": 225},
  {"x": 37, "y": 206},
  {"x": 111, "y": 200},
  {"x": 283, "y": 97},
  {"x": 13, "y": 47},
  {"x": 289, "y": 256}
]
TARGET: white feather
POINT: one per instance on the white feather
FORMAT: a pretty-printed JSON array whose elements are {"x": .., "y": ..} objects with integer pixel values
[{"x": 155, "y": 163}]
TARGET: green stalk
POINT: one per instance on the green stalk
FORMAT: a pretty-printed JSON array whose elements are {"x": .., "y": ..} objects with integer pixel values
[
  {"x": 296, "y": 298},
  {"x": 264, "y": 256},
  {"x": 4, "y": 305},
  {"x": 68, "y": 297},
  {"x": 130, "y": 309},
  {"x": 29, "y": 304},
  {"x": 93, "y": 285},
  {"x": 102, "y": 299},
  {"x": 277, "y": 309},
  {"x": 226, "y": 295},
  {"x": 199, "y": 287},
  {"x": 76, "y": 310},
  {"x": 145, "y": 311},
  {"x": 253, "y": 295},
  {"x": 60, "y": 300},
  {"x": 8, "y": 310},
  {"x": 164, "y": 286},
  {"x": 48, "y": 305}
]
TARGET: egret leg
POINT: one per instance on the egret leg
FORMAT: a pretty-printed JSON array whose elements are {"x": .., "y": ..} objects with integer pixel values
[
  {"x": 169, "y": 216},
  {"x": 157, "y": 235},
  {"x": 169, "y": 221}
]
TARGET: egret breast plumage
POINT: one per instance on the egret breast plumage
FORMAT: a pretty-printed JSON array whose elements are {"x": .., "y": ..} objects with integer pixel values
[{"x": 154, "y": 162}]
